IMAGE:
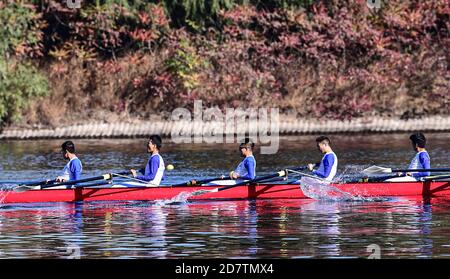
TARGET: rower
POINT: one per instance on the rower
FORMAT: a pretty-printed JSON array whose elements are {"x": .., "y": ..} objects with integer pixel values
[
  {"x": 422, "y": 159},
  {"x": 328, "y": 166},
  {"x": 72, "y": 170},
  {"x": 246, "y": 170},
  {"x": 154, "y": 170}
]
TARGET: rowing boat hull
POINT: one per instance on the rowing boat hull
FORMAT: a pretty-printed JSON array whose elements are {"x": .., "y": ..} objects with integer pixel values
[{"x": 263, "y": 191}]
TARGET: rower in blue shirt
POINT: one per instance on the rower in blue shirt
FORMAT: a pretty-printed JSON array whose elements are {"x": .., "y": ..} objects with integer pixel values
[
  {"x": 328, "y": 166},
  {"x": 422, "y": 159},
  {"x": 72, "y": 170},
  {"x": 246, "y": 170},
  {"x": 154, "y": 170}
]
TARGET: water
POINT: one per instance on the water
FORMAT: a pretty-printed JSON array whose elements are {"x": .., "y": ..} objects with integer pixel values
[
  {"x": 232, "y": 229},
  {"x": 401, "y": 228}
]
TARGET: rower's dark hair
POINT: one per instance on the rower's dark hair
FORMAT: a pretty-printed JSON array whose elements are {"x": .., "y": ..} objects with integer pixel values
[
  {"x": 247, "y": 142},
  {"x": 156, "y": 140},
  {"x": 419, "y": 139},
  {"x": 323, "y": 139},
  {"x": 68, "y": 146}
]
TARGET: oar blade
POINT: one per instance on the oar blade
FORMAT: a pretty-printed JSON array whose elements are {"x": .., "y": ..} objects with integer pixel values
[
  {"x": 23, "y": 188},
  {"x": 203, "y": 191},
  {"x": 376, "y": 170}
]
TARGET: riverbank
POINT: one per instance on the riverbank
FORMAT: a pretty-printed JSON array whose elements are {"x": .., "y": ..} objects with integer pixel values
[
  {"x": 286, "y": 126},
  {"x": 323, "y": 60}
]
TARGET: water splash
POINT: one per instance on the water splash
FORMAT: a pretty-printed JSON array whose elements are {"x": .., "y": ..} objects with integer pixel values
[
  {"x": 181, "y": 198},
  {"x": 322, "y": 191},
  {"x": 3, "y": 194},
  {"x": 5, "y": 189}
]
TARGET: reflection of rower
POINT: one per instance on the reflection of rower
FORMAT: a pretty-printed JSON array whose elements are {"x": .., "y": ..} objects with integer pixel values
[{"x": 328, "y": 166}]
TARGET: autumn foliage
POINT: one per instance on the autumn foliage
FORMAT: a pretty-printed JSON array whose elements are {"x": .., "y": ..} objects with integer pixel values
[{"x": 317, "y": 59}]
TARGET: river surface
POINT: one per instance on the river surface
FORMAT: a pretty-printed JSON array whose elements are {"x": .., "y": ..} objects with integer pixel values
[{"x": 395, "y": 228}]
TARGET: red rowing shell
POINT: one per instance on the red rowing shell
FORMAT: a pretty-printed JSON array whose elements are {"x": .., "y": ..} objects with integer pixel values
[{"x": 263, "y": 191}]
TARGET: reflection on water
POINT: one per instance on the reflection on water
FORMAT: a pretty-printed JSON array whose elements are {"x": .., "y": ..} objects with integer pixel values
[{"x": 231, "y": 229}]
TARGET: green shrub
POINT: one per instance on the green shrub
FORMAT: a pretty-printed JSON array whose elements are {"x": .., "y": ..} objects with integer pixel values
[
  {"x": 19, "y": 83},
  {"x": 185, "y": 64},
  {"x": 20, "y": 30}
]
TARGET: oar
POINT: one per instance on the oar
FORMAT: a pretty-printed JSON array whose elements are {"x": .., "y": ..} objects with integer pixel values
[
  {"x": 379, "y": 170},
  {"x": 45, "y": 182},
  {"x": 101, "y": 183},
  {"x": 274, "y": 180},
  {"x": 14, "y": 182},
  {"x": 200, "y": 182},
  {"x": 370, "y": 179},
  {"x": 28, "y": 183},
  {"x": 436, "y": 177},
  {"x": 107, "y": 176},
  {"x": 259, "y": 179}
]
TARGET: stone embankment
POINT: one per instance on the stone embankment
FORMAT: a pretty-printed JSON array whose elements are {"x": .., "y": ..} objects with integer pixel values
[{"x": 166, "y": 128}]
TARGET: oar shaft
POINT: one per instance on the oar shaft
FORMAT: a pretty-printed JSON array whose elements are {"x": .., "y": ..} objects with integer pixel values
[
  {"x": 249, "y": 182},
  {"x": 101, "y": 183},
  {"x": 194, "y": 182},
  {"x": 436, "y": 177},
  {"x": 422, "y": 170},
  {"x": 278, "y": 174},
  {"x": 73, "y": 182},
  {"x": 45, "y": 182}
]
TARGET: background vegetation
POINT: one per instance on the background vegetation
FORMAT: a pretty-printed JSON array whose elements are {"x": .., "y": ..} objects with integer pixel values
[{"x": 115, "y": 59}]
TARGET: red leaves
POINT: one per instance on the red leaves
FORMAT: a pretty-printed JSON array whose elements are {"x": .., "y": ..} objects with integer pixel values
[
  {"x": 381, "y": 43},
  {"x": 143, "y": 35},
  {"x": 241, "y": 14},
  {"x": 290, "y": 40},
  {"x": 341, "y": 104},
  {"x": 332, "y": 59},
  {"x": 58, "y": 70},
  {"x": 158, "y": 16},
  {"x": 112, "y": 67},
  {"x": 144, "y": 18},
  {"x": 137, "y": 82}
]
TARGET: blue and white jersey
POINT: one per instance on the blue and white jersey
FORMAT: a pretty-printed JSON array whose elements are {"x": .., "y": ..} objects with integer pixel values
[
  {"x": 328, "y": 166},
  {"x": 420, "y": 161},
  {"x": 154, "y": 170},
  {"x": 247, "y": 168},
  {"x": 72, "y": 170}
]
